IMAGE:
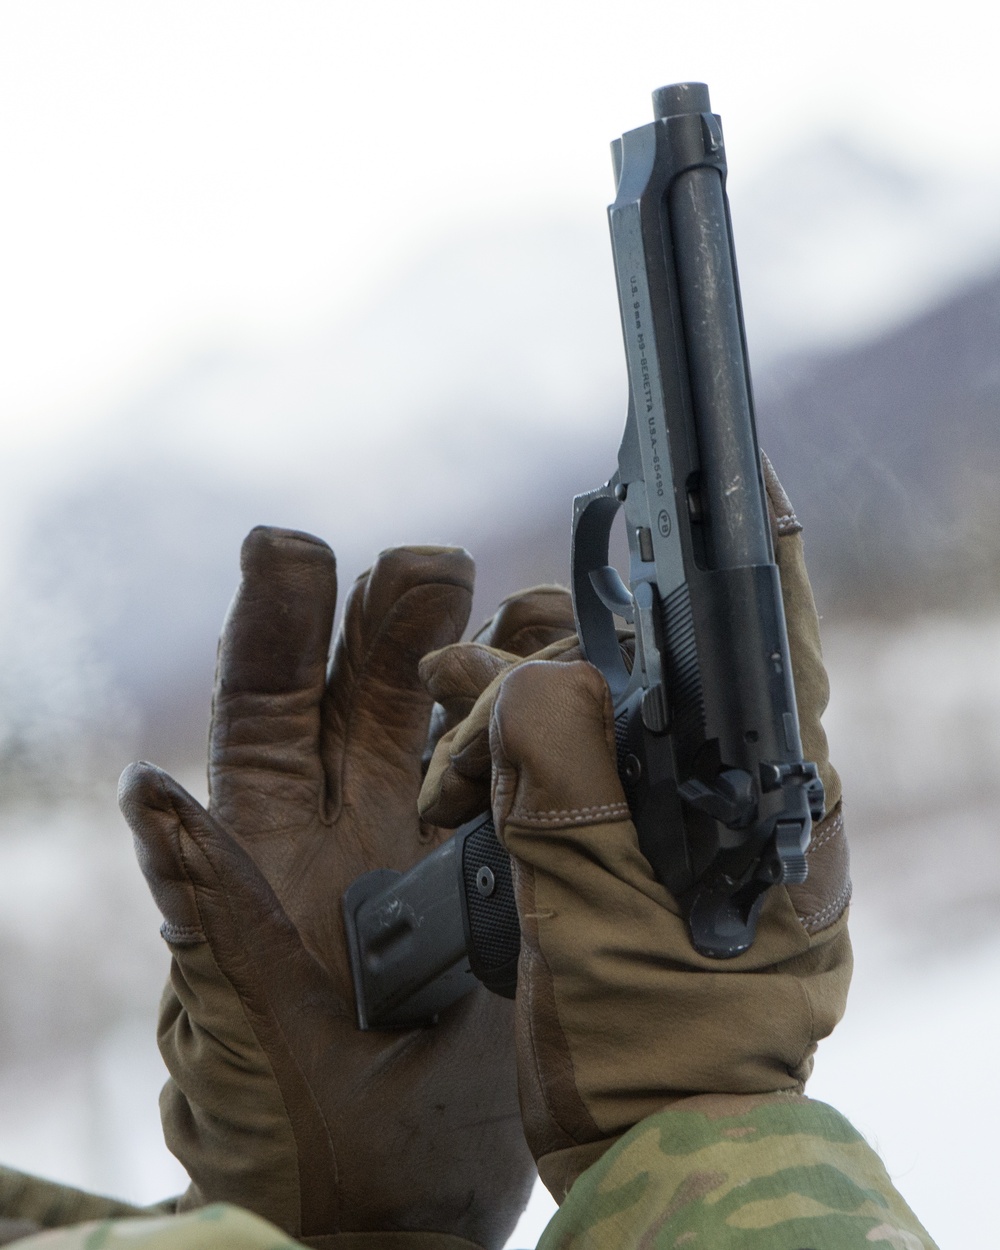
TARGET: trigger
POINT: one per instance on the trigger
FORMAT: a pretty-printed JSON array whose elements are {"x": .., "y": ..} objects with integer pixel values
[{"x": 612, "y": 592}]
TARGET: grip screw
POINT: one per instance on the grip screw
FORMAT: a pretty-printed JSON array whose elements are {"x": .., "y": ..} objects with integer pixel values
[{"x": 485, "y": 882}]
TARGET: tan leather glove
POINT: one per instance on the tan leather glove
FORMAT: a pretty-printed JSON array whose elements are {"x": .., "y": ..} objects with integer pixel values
[
  {"x": 524, "y": 624},
  {"x": 276, "y": 1101},
  {"x": 617, "y": 1014}
]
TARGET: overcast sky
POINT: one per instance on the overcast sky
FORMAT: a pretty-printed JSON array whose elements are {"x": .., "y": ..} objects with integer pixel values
[{"x": 194, "y": 170}]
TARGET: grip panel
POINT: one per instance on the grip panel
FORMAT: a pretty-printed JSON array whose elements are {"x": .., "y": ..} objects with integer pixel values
[{"x": 489, "y": 910}]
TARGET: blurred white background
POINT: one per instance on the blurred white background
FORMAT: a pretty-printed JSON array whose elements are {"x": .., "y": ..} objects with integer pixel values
[{"x": 345, "y": 267}]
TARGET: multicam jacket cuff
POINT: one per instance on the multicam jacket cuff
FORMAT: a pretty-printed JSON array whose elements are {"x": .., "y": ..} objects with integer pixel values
[
  {"x": 721, "y": 1172},
  {"x": 713, "y": 1172}
]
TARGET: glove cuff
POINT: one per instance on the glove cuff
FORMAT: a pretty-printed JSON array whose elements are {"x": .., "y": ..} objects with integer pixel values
[{"x": 559, "y": 1169}]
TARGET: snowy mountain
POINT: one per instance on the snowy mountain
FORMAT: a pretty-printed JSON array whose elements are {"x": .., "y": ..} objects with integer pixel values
[
  {"x": 892, "y": 451},
  {"x": 839, "y": 243}
]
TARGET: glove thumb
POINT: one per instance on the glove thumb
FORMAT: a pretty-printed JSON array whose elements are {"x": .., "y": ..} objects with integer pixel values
[
  {"x": 220, "y": 1029},
  {"x": 158, "y": 811}
]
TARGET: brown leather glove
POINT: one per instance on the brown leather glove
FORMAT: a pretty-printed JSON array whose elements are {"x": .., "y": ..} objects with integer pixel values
[
  {"x": 276, "y": 1101},
  {"x": 617, "y": 1014}
]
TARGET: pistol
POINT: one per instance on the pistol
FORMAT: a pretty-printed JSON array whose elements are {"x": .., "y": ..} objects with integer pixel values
[{"x": 706, "y": 727}]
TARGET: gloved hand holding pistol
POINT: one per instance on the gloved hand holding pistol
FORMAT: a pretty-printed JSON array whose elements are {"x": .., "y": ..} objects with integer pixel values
[{"x": 661, "y": 1090}]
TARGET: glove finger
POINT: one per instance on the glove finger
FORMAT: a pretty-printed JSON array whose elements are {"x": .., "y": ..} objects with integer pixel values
[
  {"x": 456, "y": 676},
  {"x": 822, "y": 899},
  {"x": 412, "y": 601},
  {"x": 812, "y": 686},
  {"x": 523, "y": 624},
  {"x": 152, "y": 804},
  {"x": 456, "y": 784},
  {"x": 271, "y": 676},
  {"x": 529, "y": 620},
  {"x": 206, "y": 886}
]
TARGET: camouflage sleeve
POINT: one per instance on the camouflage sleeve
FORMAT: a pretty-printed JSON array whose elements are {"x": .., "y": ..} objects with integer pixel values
[
  {"x": 218, "y": 1227},
  {"x": 721, "y": 1172}
]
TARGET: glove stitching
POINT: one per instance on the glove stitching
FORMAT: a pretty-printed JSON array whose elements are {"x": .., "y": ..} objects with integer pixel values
[
  {"x": 820, "y": 919},
  {"x": 182, "y": 934},
  {"x": 552, "y": 817},
  {"x": 833, "y": 830}
]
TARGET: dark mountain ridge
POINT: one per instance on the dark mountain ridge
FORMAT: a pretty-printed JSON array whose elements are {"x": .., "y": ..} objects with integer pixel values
[{"x": 891, "y": 452}]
